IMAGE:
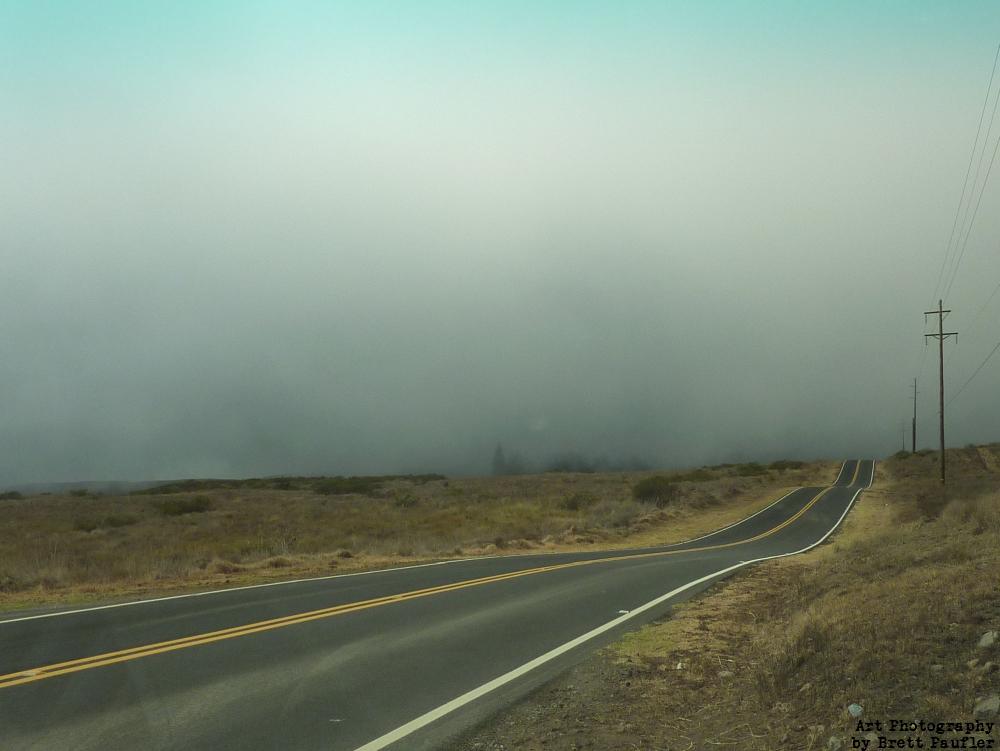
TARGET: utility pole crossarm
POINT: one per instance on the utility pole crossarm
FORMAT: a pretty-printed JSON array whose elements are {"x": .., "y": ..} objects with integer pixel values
[{"x": 941, "y": 335}]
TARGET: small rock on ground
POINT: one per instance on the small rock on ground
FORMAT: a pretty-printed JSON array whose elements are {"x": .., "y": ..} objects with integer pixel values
[{"x": 987, "y": 708}]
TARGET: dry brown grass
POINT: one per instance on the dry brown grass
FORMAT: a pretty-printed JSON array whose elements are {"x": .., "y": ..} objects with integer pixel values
[
  {"x": 57, "y": 549},
  {"x": 887, "y": 616}
]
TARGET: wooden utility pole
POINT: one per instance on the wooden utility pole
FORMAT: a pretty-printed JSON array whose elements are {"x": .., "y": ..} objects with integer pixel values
[
  {"x": 940, "y": 336},
  {"x": 914, "y": 444}
]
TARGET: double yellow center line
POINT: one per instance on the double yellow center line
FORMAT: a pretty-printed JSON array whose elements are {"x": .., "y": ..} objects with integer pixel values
[
  {"x": 134, "y": 653},
  {"x": 857, "y": 470}
]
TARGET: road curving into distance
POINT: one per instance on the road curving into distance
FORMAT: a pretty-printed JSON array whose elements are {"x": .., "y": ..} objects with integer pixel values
[{"x": 400, "y": 659}]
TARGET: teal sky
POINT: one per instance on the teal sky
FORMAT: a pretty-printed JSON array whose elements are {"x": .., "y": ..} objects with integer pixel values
[
  {"x": 116, "y": 45},
  {"x": 243, "y": 238}
]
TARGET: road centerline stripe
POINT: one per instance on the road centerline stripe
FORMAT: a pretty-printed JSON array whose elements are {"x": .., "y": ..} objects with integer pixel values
[
  {"x": 109, "y": 658},
  {"x": 857, "y": 469},
  {"x": 447, "y": 708}
]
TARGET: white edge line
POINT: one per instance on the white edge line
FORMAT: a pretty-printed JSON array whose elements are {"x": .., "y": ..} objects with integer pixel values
[
  {"x": 357, "y": 573},
  {"x": 238, "y": 589},
  {"x": 737, "y": 523},
  {"x": 425, "y": 719},
  {"x": 363, "y": 573},
  {"x": 734, "y": 524}
]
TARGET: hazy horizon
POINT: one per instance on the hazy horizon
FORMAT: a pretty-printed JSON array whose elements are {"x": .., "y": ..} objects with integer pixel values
[{"x": 259, "y": 239}]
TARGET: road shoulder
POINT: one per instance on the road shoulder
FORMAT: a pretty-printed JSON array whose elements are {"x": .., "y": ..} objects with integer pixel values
[{"x": 886, "y": 615}]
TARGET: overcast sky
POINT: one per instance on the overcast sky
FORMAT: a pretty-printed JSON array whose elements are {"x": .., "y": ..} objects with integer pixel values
[{"x": 255, "y": 238}]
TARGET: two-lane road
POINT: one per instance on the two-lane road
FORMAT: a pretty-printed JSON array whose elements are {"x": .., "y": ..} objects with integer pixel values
[{"x": 403, "y": 658}]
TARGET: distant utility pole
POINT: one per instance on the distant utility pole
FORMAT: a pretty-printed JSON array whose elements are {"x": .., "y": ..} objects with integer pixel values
[
  {"x": 940, "y": 336},
  {"x": 914, "y": 445}
]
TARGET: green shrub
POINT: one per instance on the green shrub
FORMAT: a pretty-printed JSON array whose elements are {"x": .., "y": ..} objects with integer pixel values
[
  {"x": 406, "y": 501},
  {"x": 79, "y": 493},
  {"x": 750, "y": 469},
  {"x": 577, "y": 501},
  {"x": 11, "y": 495},
  {"x": 112, "y": 521},
  {"x": 657, "y": 489},
  {"x": 325, "y": 485},
  {"x": 190, "y": 486},
  {"x": 11, "y": 583},
  {"x": 348, "y": 485},
  {"x": 178, "y": 506},
  {"x": 85, "y": 525}
]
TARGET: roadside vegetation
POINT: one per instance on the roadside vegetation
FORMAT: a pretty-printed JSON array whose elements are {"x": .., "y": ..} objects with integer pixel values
[
  {"x": 889, "y": 615},
  {"x": 208, "y": 533}
]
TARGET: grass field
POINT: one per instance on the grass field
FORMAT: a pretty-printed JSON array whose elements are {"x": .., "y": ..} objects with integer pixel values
[
  {"x": 887, "y": 615},
  {"x": 204, "y": 533}
]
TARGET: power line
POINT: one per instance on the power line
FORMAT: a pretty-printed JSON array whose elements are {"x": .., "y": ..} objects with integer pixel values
[
  {"x": 981, "y": 366},
  {"x": 975, "y": 179},
  {"x": 982, "y": 190},
  {"x": 952, "y": 252},
  {"x": 968, "y": 171},
  {"x": 923, "y": 359},
  {"x": 940, "y": 336},
  {"x": 982, "y": 309}
]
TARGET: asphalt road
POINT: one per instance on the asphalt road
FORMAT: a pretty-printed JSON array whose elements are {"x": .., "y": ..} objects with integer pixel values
[{"x": 401, "y": 659}]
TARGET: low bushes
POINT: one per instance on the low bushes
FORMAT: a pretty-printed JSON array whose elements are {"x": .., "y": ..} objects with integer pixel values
[
  {"x": 406, "y": 501},
  {"x": 750, "y": 469},
  {"x": 112, "y": 521},
  {"x": 348, "y": 485},
  {"x": 577, "y": 501},
  {"x": 179, "y": 506},
  {"x": 657, "y": 489}
]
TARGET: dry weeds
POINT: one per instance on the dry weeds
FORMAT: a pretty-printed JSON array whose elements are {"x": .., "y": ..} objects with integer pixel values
[
  {"x": 75, "y": 547},
  {"x": 887, "y": 616}
]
